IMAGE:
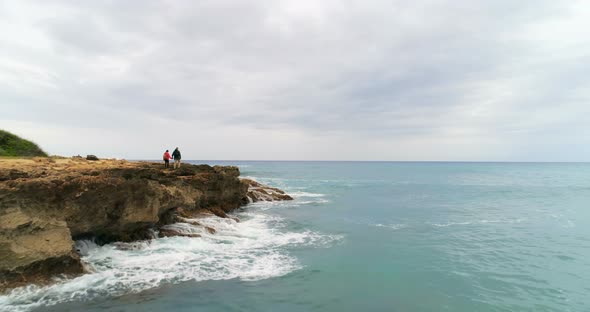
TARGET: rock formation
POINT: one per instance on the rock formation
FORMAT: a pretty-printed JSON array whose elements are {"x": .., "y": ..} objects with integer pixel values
[
  {"x": 46, "y": 204},
  {"x": 259, "y": 192}
]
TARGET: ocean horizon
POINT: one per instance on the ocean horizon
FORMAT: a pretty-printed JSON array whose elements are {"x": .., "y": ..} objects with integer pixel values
[
  {"x": 405, "y": 156},
  {"x": 234, "y": 161}
]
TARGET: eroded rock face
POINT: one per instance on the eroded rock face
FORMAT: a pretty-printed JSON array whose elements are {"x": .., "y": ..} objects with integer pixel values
[
  {"x": 34, "y": 249},
  {"x": 44, "y": 204},
  {"x": 116, "y": 200}
]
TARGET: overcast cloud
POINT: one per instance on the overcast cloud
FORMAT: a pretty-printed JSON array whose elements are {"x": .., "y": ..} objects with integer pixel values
[{"x": 327, "y": 80}]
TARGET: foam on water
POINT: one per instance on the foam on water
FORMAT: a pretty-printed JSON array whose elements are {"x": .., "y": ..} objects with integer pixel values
[
  {"x": 307, "y": 198},
  {"x": 477, "y": 222},
  {"x": 394, "y": 226},
  {"x": 300, "y": 196},
  {"x": 253, "y": 249},
  {"x": 265, "y": 205},
  {"x": 305, "y": 194}
]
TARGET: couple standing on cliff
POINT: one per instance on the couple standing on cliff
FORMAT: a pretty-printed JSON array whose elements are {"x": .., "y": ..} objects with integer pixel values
[{"x": 175, "y": 155}]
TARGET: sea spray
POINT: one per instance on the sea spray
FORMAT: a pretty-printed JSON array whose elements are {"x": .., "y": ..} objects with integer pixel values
[{"x": 255, "y": 248}]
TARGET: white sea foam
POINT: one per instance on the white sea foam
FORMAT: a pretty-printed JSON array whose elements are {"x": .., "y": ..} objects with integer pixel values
[
  {"x": 450, "y": 224},
  {"x": 308, "y": 198},
  {"x": 301, "y": 198},
  {"x": 562, "y": 221},
  {"x": 395, "y": 226},
  {"x": 306, "y": 194},
  {"x": 307, "y": 202},
  {"x": 267, "y": 205},
  {"x": 253, "y": 249},
  {"x": 484, "y": 221}
]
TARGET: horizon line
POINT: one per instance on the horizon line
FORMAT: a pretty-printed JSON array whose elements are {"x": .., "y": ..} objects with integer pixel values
[{"x": 382, "y": 161}]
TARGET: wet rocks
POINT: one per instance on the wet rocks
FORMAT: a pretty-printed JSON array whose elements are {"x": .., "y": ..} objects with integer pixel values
[
  {"x": 260, "y": 192},
  {"x": 218, "y": 212},
  {"x": 165, "y": 232},
  {"x": 130, "y": 246}
]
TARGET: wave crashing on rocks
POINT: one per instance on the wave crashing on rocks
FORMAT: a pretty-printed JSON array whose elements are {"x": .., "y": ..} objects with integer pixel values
[{"x": 255, "y": 248}]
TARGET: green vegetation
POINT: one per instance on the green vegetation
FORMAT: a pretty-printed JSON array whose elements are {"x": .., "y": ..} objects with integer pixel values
[{"x": 12, "y": 145}]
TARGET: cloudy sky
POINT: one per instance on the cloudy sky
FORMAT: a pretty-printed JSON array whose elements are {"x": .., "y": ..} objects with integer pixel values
[{"x": 299, "y": 80}]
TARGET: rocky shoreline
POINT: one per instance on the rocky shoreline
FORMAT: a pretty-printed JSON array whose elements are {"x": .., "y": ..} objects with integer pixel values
[{"x": 46, "y": 204}]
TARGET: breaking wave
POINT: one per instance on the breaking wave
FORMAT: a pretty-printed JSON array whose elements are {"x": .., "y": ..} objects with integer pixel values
[
  {"x": 255, "y": 248},
  {"x": 305, "y": 194}
]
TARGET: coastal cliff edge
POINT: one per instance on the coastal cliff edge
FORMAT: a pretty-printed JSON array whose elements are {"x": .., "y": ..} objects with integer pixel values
[{"x": 46, "y": 204}]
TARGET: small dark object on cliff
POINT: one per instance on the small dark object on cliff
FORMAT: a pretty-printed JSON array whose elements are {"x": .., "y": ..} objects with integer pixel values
[{"x": 91, "y": 157}]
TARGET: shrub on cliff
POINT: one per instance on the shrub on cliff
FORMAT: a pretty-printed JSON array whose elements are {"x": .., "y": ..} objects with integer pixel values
[{"x": 12, "y": 145}]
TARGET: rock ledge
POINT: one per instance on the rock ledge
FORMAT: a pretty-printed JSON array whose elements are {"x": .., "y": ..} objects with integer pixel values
[{"x": 46, "y": 204}]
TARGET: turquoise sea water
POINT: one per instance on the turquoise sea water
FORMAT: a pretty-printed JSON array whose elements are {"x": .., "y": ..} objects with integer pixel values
[{"x": 368, "y": 236}]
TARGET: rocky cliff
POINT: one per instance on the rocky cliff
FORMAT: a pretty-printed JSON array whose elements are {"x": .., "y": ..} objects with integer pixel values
[{"x": 45, "y": 204}]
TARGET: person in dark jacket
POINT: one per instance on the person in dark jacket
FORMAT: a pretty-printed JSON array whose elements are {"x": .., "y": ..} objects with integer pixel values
[
  {"x": 167, "y": 159},
  {"x": 176, "y": 156}
]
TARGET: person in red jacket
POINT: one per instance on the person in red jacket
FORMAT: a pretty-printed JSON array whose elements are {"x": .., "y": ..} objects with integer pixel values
[{"x": 167, "y": 159}]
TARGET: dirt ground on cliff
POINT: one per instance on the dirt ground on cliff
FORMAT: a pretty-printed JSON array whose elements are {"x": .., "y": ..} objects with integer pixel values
[{"x": 47, "y": 165}]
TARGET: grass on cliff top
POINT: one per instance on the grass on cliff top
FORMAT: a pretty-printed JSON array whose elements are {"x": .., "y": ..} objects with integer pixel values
[{"x": 14, "y": 146}]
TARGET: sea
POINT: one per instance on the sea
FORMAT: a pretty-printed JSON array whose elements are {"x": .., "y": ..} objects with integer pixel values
[{"x": 359, "y": 236}]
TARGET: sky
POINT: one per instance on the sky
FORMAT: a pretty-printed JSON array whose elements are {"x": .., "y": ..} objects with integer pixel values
[{"x": 497, "y": 80}]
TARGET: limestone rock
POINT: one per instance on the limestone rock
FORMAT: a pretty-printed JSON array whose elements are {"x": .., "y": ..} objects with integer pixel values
[
  {"x": 34, "y": 249},
  {"x": 46, "y": 205},
  {"x": 260, "y": 192}
]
